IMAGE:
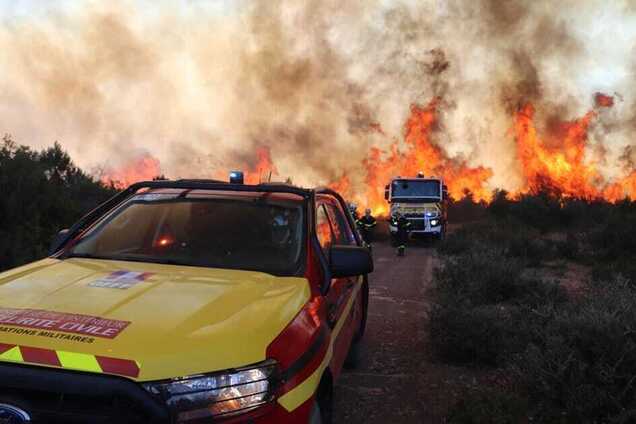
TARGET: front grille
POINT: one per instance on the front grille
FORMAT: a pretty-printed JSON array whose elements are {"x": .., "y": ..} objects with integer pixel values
[
  {"x": 418, "y": 224},
  {"x": 54, "y": 396}
]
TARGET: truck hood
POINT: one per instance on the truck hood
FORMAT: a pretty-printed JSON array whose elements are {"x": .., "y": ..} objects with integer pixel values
[{"x": 171, "y": 320}]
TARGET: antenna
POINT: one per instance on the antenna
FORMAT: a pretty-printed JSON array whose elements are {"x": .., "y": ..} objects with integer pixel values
[{"x": 269, "y": 178}]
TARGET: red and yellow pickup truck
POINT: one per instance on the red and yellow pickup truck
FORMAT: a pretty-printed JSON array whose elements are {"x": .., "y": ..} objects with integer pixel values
[{"x": 187, "y": 301}]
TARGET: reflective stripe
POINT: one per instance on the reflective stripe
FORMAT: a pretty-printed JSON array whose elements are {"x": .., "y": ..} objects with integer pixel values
[
  {"x": 69, "y": 360},
  {"x": 305, "y": 390},
  {"x": 79, "y": 361},
  {"x": 12, "y": 354}
]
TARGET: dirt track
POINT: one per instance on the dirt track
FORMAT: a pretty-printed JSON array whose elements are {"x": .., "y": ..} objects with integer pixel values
[{"x": 396, "y": 382}]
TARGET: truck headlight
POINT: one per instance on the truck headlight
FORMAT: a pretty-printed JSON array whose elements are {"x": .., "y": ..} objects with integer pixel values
[
  {"x": 434, "y": 222},
  {"x": 220, "y": 394}
]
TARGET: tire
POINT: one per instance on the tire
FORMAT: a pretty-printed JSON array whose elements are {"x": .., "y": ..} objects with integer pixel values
[
  {"x": 353, "y": 356},
  {"x": 322, "y": 410},
  {"x": 315, "y": 417}
]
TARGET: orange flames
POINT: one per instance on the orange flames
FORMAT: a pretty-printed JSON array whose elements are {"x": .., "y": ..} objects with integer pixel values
[
  {"x": 264, "y": 168},
  {"x": 558, "y": 166},
  {"x": 420, "y": 154},
  {"x": 260, "y": 172},
  {"x": 620, "y": 189},
  {"x": 557, "y": 162},
  {"x": 143, "y": 168}
]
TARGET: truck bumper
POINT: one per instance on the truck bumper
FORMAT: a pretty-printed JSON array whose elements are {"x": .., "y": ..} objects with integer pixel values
[
  {"x": 429, "y": 230},
  {"x": 422, "y": 228}
]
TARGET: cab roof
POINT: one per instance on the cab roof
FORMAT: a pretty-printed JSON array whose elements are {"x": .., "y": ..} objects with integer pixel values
[
  {"x": 207, "y": 193},
  {"x": 282, "y": 191}
]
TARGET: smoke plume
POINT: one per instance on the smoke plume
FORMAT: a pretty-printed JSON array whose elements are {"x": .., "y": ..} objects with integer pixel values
[{"x": 323, "y": 91}]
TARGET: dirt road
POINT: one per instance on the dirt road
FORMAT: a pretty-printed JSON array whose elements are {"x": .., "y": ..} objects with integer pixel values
[{"x": 395, "y": 381}]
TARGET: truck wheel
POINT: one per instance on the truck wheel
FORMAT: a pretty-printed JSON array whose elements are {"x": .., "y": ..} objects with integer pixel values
[
  {"x": 315, "y": 417},
  {"x": 362, "y": 303},
  {"x": 322, "y": 409}
]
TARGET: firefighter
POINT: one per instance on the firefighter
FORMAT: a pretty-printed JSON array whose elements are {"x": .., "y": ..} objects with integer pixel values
[
  {"x": 401, "y": 236},
  {"x": 366, "y": 224}
]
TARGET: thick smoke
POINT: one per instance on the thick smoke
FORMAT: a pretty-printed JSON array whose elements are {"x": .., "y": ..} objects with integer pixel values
[{"x": 317, "y": 82}]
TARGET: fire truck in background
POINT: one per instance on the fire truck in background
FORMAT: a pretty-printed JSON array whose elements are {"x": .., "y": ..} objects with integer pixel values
[{"x": 422, "y": 201}]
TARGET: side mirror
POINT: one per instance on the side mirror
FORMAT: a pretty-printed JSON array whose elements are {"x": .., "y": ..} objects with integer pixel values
[
  {"x": 350, "y": 261},
  {"x": 386, "y": 192},
  {"x": 57, "y": 240}
]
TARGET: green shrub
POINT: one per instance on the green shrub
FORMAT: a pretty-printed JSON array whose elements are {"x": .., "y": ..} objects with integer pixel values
[
  {"x": 523, "y": 245},
  {"x": 478, "y": 277},
  {"x": 582, "y": 363},
  {"x": 570, "y": 248},
  {"x": 615, "y": 237},
  {"x": 483, "y": 309},
  {"x": 534, "y": 294},
  {"x": 488, "y": 277},
  {"x": 456, "y": 243}
]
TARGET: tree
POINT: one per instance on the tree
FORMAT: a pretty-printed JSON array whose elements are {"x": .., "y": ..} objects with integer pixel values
[{"x": 41, "y": 193}]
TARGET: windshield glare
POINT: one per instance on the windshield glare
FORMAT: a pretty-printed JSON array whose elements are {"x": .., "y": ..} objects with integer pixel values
[
  {"x": 422, "y": 188},
  {"x": 248, "y": 234}
]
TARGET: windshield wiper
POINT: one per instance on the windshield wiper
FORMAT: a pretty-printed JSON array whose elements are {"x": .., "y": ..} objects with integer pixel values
[
  {"x": 129, "y": 258},
  {"x": 132, "y": 258},
  {"x": 82, "y": 255}
]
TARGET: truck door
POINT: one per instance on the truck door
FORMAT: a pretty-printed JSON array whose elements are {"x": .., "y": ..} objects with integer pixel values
[{"x": 330, "y": 215}]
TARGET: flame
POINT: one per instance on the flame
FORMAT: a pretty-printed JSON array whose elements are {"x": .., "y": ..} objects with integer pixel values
[
  {"x": 421, "y": 154},
  {"x": 260, "y": 172},
  {"x": 557, "y": 162},
  {"x": 554, "y": 162},
  {"x": 342, "y": 185},
  {"x": 559, "y": 166},
  {"x": 323, "y": 230},
  {"x": 619, "y": 190},
  {"x": 145, "y": 167},
  {"x": 263, "y": 169}
]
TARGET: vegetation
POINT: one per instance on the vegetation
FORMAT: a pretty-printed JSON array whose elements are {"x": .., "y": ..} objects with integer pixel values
[
  {"x": 41, "y": 193},
  {"x": 500, "y": 303}
]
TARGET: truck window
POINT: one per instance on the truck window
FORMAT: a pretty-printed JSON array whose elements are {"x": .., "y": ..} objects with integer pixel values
[
  {"x": 264, "y": 236},
  {"x": 415, "y": 188},
  {"x": 342, "y": 231},
  {"x": 323, "y": 229}
]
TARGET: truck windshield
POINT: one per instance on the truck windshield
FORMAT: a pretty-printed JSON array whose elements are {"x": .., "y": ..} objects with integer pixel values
[
  {"x": 416, "y": 189},
  {"x": 249, "y": 234}
]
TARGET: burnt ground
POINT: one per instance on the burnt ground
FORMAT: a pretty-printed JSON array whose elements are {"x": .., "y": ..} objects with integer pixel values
[{"x": 396, "y": 381}]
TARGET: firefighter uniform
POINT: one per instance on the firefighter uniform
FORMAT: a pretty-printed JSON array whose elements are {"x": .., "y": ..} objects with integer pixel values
[
  {"x": 366, "y": 225},
  {"x": 403, "y": 226}
]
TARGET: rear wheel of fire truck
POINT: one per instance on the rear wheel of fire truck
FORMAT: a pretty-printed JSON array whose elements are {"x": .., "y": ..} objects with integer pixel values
[{"x": 360, "y": 311}]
